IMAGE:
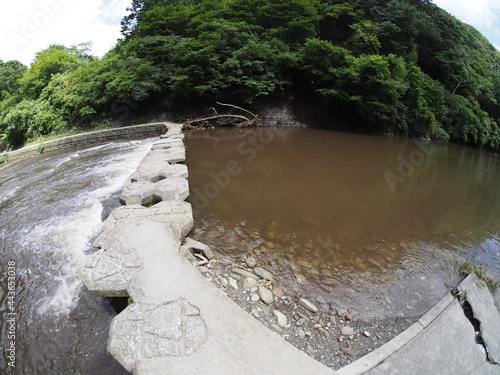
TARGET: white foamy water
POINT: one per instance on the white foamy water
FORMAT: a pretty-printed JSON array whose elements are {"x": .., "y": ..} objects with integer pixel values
[{"x": 65, "y": 237}]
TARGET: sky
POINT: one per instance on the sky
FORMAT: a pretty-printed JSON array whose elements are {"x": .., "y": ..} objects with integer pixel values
[
  {"x": 484, "y": 15},
  {"x": 29, "y": 26}
]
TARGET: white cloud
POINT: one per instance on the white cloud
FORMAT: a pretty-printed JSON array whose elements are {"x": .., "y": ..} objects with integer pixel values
[{"x": 32, "y": 25}]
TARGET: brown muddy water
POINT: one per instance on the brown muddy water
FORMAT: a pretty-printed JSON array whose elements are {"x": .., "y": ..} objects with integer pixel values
[{"x": 378, "y": 224}]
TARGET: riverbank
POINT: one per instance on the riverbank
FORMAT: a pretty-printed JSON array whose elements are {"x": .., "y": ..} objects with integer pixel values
[{"x": 327, "y": 331}]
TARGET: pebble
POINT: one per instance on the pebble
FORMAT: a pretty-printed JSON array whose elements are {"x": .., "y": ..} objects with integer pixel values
[
  {"x": 335, "y": 306},
  {"x": 249, "y": 283},
  {"x": 347, "y": 331},
  {"x": 302, "y": 334},
  {"x": 244, "y": 273},
  {"x": 203, "y": 269},
  {"x": 349, "y": 351},
  {"x": 265, "y": 274},
  {"x": 341, "y": 312},
  {"x": 250, "y": 262},
  {"x": 223, "y": 281},
  {"x": 321, "y": 300},
  {"x": 279, "y": 291},
  {"x": 266, "y": 295},
  {"x": 282, "y": 319},
  {"x": 317, "y": 326},
  {"x": 301, "y": 321},
  {"x": 235, "y": 276},
  {"x": 308, "y": 305},
  {"x": 256, "y": 312},
  {"x": 232, "y": 282},
  {"x": 351, "y": 314},
  {"x": 254, "y": 297},
  {"x": 367, "y": 334},
  {"x": 304, "y": 263}
]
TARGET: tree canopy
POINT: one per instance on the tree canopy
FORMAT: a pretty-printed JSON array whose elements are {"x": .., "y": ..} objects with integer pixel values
[{"x": 402, "y": 66}]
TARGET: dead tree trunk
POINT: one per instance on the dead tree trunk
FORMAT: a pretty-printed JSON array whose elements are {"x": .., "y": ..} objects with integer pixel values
[{"x": 248, "y": 119}]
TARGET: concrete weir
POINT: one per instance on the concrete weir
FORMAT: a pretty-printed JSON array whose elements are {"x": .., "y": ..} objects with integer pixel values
[{"x": 180, "y": 323}]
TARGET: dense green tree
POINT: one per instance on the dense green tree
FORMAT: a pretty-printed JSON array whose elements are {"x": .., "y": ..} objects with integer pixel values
[{"x": 10, "y": 74}]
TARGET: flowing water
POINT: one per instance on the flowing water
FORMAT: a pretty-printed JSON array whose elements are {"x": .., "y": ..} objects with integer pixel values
[
  {"x": 375, "y": 223},
  {"x": 51, "y": 206}
]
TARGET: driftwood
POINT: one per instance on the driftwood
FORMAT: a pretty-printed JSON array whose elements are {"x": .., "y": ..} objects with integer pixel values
[{"x": 239, "y": 121}]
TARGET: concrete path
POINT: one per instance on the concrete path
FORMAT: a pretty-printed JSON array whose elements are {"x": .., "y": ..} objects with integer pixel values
[
  {"x": 180, "y": 323},
  {"x": 443, "y": 341}
]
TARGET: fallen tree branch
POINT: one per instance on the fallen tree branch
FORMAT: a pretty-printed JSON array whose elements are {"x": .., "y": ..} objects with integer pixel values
[
  {"x": 215, "y": 118},
  {"x": 238, "y": 121},
  {"x": 241, "y": 109}
]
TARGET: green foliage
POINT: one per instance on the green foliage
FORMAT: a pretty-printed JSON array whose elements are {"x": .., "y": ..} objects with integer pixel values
[
  {"x": 10, "y": 74},
  {"x": 403, "y": 66},
  {"x": 30, "y": 118}
]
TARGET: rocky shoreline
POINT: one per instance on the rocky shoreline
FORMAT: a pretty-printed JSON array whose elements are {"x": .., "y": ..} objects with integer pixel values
[{"x": 333, "y": 334}]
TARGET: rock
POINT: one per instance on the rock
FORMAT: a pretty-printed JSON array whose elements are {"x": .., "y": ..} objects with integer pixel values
[
  {"x": 244, "y": 273},
  {"x": 282, "y": 320},
  {"x": 301, "y": 321},
  {"x": 223, "y": 281},
  {"x": 351, "y": 314},
  {"x": 250, "y": 262},
  {"x": 196, "y": 247},
  {"x": 321, "y": 300},
  {"x": 367, "y": 334},
  {"x": 308, "y": 305},
  {"x": 236, "y": 276},
  {"x": 341, "y": 312},
  {"x": 301, "y": 278},
  {"x": 349, "y": 351},
  {"x": 279, "y": 291},
  {"x": 256, "y": 312},
  {"x": 249, "y": 283},
  {"x": 254, "y": 297},
  {"x": 347, "y": 331},
  {"x": 335, "y": 306},
  {"x": 263, "y": 273},
  {"x": 302, "y": 334},
  {"x": 232, "y": 282},
  {"x": 203, "y": 269},
  {"x": 266, "y": 295},
  {"x": 333, "y": 320},
  {"x": 304, "y": 263}
]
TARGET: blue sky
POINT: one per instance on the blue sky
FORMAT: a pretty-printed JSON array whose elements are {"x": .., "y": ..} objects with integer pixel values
[
  {"x": 484, "y": 15},
  {"x": 29, "y": 26}
]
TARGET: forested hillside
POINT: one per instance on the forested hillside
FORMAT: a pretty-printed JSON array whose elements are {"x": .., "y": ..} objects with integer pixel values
[{"x": 402, "y": 66}]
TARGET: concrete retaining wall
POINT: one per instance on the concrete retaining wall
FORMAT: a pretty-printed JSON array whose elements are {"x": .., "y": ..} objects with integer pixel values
[{"x": 101, "y": 136}]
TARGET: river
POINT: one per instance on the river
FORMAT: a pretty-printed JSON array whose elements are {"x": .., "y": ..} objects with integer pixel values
[{"x": 376, "y": 223}]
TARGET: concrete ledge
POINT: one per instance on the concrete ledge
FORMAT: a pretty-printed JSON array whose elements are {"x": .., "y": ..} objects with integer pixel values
[{"x": 101, "y": 136}]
